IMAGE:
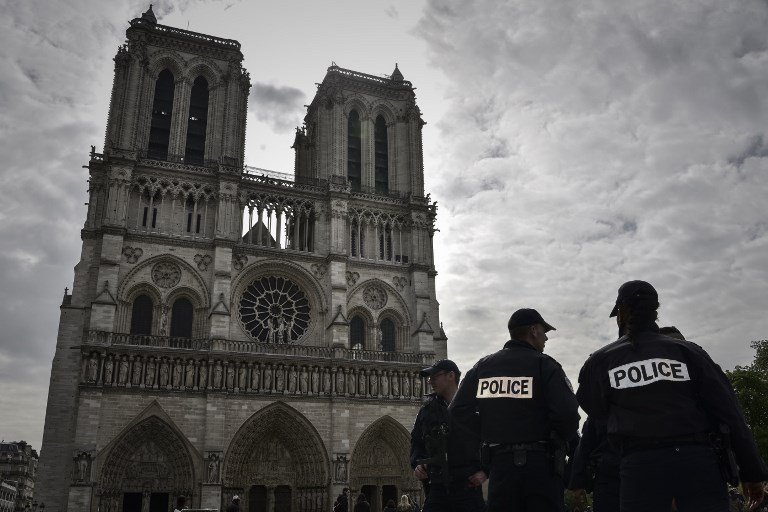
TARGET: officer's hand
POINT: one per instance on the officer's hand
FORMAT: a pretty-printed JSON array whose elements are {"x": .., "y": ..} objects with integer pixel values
[
  {"x": 754, "y": 492},
  {"x": 421, "y": 472},
  {"x": 477, "y": 479},
  {"x": 580, "y": 497}
]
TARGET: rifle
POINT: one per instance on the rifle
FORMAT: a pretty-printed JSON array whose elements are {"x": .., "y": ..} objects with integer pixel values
[{"x": 436, "y": 442}]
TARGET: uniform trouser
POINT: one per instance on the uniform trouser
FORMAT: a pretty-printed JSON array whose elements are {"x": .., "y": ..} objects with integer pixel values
[
  {"x": 605, "y": 495},
  {"x": 533, "y": 487},
  {"x": 459, "y": 497},
  {"x": 651, "y": 478}
]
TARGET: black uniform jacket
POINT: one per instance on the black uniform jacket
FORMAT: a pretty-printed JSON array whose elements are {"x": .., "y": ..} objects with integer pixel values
[
  {"x": 593, "y": 450},
  {"x": 463, "y": 445},
  {"x": 517, "y": 395},
  {"x": 661, "y": 387}
]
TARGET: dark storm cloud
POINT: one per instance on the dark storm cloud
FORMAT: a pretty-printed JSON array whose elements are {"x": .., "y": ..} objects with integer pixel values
[
  {"x": 632, "y": 146},
  {"x": 278, "y": 106}
]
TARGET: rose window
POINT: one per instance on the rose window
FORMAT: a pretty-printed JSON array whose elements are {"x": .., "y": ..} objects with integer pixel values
[{"x": 274, "y": 310}]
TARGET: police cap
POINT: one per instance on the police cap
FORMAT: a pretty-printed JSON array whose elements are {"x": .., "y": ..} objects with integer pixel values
[
  {"x": 526, "y": 316},
  {"x": 632, "y": 291},
  {"x": 443, "y": 365}
]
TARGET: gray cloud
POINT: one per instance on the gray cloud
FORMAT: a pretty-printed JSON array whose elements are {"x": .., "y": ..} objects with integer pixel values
[
  {"x": 630, "y": 145},
  {"x": 278, "y": 106}
]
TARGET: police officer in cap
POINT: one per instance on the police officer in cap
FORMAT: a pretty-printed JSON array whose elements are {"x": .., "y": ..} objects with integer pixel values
[
  {"x": 522, "y": 405},
  {"x": 667, "y": 404},
  {"x": 445, "y": 456}
]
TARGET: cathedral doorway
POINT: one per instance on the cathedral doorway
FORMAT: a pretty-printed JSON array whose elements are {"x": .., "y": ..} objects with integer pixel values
[
  {"x": 379, "y": 466},
  {"x": 145, "y": 468},
  {"x": 279, "y": 458}
]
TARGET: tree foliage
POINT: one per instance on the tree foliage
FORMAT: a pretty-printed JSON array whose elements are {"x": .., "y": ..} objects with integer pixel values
[{"x": 751, "y": 386}]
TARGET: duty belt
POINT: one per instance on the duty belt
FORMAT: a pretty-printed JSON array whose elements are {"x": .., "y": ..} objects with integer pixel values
[
  {"x": 537, "y": 446},
  {"x": 632, "y": 444}
]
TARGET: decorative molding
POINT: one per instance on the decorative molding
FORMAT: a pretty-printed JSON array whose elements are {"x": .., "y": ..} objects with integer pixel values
[
  {"x": 166, "y": 274},
  {"x": 203, "y": 260},
  {"x": 319, "y": 269},
  {"x": 132, "y": 254},
  {"x": 375, "y": 296},
  {"x": 239, "y": 261},
  {"x": 352, "y": 277},
  {"x": 400, "y": 282}
]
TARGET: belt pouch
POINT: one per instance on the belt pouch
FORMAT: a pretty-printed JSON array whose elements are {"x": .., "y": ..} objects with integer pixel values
[{"x": 519, "y": 458}]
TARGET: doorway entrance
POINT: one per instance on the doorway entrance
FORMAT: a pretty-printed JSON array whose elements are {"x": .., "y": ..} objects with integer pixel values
[
  {"x": 257, "y": 499},
  {"x": 283, "y": 498}
]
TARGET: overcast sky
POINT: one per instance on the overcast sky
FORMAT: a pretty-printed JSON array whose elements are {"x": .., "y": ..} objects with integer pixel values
[{"x": 571, "y": 146}]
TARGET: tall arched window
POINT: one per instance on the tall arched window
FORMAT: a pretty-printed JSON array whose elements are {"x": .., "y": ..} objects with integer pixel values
[
  {"x": 141, "y": 315},
  {"x": 382, "y": 156},
  {"x": 181, "y": 318},
  {"x": 354, "y": 150},
  {"x": 387, "y": 335},
  {"x": 357, "y": 333},
  {"x": 162, "y": 107},
  {"x": 197, "y": 123}
]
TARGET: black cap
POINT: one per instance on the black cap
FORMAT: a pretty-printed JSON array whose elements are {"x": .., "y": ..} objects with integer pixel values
[
  {"x": 443, "y": 365},
  {"x": 527, "y": 316},
  {"x": 633, "y": 291}
]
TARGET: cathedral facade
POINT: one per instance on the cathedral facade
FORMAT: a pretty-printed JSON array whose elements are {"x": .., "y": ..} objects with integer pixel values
[{"x": 233, "y": 331}]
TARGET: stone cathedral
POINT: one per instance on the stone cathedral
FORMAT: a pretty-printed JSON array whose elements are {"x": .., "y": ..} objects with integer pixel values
[{"x": 232, "y": 330}]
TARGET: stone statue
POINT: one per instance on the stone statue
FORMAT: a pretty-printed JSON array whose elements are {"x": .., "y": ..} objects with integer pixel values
[
  {"x": 92, "y": 368},
  {"x": 417, "y": 386},
  {"x": 407, "y": 385},
  {"x": 137, "y": 367},
  {"x": 268, "y": 378},
  {"x": 122, "y": 373},
  {"x": 272, "y": 333},
  {"x": 374, "y": 383},
  {"x": 108, "y": 368},
  {"x": 149, "y": 377},
  {"x": 340, "y": 473},
  {"x": 292, "y": 380},
  {"x": 217, "y": 374},
  {"x": 213, "y": 469},
  {"x": 163, "y": 373},
  {"x": 395, "y": 384},
  {"x": 351, "y": 382},
  {"x": 385, "y": 384},
  {"x": 189, "y": 374},
  {"x": 230, "y": 376},
  {"x": 327, "y": 381},
  {"x": 280, "y": 330},
  {"x": 280, "y": 379},
  {"x": 164, "y": 322},
  {"x": 203, "y": 379},
  {"x": 362, "y": 383},
  {"x": 315, "y": 385},
  {"x": 379, "y": 338},
  {"x": 255, "y": 377},
  {"x": 340, "y": 382},
  {"x": 242, "y": 377},
  {"x": 82, "y": 466},
  {"x": 304, "y": 380},
  {"x": 177, "y": 373}
]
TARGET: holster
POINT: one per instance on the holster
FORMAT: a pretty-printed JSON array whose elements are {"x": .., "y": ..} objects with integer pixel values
[
  {"x": 485, "y": 455},
  {"x": 721, "y": 443},
  {"x": 519, "y": 457}
]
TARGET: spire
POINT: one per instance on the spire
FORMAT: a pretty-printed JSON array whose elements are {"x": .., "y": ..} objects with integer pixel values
[
  {"x": 397, "y": 76},
  {"x": 149, "y": 16}
]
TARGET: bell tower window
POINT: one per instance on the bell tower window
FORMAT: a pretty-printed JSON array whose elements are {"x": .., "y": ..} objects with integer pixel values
[
  {"x": 357, "y": 333},
  {"x": 181, "y": 318},
  {"x": 197, "y": 122},
  {"x": 162, "y": 107},
  {"x": 141, "y": 316},
  {"x": 387, "y": 335},
  {"x": 382, "y": 156},
  {"x": 354, "y": 150}
]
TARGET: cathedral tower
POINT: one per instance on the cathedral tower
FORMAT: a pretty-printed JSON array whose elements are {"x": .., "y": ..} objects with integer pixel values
[{"x": 233, "y": 330}]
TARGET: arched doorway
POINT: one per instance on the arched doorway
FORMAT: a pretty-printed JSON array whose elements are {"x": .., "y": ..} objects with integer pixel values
[
  {"x": 146, "y": 469},
  {"x": 380, "y": 468},
  {"x": 277, "y": 462}
]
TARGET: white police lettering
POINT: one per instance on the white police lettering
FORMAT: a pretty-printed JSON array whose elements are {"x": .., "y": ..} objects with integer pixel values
[
  {"x": 642, "y": 373},
  {"x": 505, "y": 387}
]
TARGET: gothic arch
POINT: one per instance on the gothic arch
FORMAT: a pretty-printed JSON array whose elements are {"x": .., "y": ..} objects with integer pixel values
[
  {"x": 278, "y": 446},
  {"x": 300, "y": 276},
  {"x": 206, "y": 68},
  {"x": 358, "y": 103},
  {"x": 150, "y": 455},
  {"x": 380, "y": 457},
  {"x": 393, "y": 295},
  {"x": 386, "y": 110},
  {"x": 198, "y": 304},
  {"x": 167, "y": 59},
  {"x": 197, "y": 282}
]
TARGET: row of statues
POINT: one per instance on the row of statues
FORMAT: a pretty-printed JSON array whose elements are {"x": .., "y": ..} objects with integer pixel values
[{"x": 201, "y": 374}]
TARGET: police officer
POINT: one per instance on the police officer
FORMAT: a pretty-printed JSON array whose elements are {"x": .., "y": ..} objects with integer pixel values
[
  {"x": 523, "y": 407},
  {"x": 443, "y": 455},
  {"x": 663, "y": 400}
]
